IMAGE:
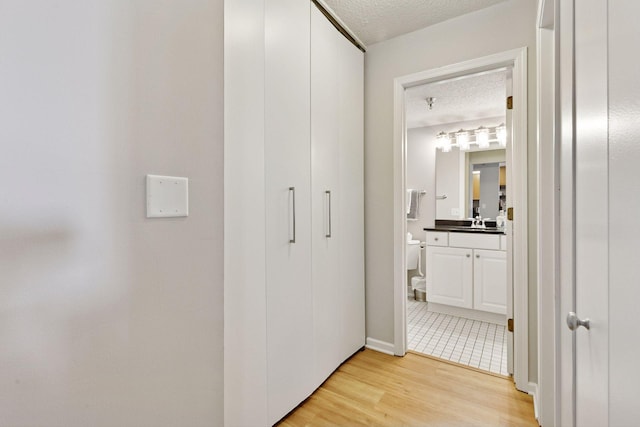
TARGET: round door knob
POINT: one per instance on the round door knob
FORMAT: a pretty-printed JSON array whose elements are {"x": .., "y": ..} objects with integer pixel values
[
  {"x": 477, "y": 256},
  {"x": 435, "y": 238},
  {"x": 574, "y": 322},
  {"x": 468, "y": 255}
]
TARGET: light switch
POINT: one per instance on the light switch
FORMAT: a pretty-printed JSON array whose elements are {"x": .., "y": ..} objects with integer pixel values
[{"x": 167, "y": 196}]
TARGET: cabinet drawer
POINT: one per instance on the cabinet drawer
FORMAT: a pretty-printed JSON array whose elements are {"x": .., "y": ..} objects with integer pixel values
[
  {"x": 437, "y": 238},
  {"x": 503, "y": 243},
  {"x": 476, "y": 241}
]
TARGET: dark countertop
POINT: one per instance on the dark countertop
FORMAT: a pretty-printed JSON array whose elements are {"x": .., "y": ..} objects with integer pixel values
[
  {"x": 464, "y": 226},
  {"x": 454, "y": 229}
]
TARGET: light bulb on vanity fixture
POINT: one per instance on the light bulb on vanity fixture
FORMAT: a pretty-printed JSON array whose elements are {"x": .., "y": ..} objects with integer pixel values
[
  {"x": 444, "y": 142},
  {"x": 482, "y": 137},
  {"x": 462, "y": 139},
  {"x": 501, "y": 135}
]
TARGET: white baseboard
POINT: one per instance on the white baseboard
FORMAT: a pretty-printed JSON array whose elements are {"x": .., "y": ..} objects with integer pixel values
[
  {"x": 381, "y": 346},
  {"x": 532, "y": 389}
]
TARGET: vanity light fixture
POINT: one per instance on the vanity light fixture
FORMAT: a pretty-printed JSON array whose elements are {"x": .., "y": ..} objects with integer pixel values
[
  {"x": 482, "y": 137},
  {"x": 444, "y": 142},
  {"x": 501, "y": 135},
  {"x": 462, "y": 139}
]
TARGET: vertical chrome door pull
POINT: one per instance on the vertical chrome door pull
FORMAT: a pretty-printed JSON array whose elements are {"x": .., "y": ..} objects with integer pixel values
[
  {"x": 292, "y": 216},
  {"x": 328, "y": 195},
  {"x": 574, "y": 322}
]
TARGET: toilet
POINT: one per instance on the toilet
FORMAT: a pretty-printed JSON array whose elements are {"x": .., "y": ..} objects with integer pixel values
[
  {"x": 418, "y": 283},
  {"x": 413, "y": 254}
]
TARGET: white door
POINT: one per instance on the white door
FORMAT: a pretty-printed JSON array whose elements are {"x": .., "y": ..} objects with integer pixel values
[
  {"x": 606, "y": 196},
  {"x": 450, "y": 276},
  {"x": 337, "y": 196},
  {"x": 325, "y": 191},
  {"x": 624, "y": 203},
  {"x": 591, "y": 212},
  {"x": 351, "y": 196},
  {"x": 490, "y": 281},
  {"x": 287, "y": 182}
]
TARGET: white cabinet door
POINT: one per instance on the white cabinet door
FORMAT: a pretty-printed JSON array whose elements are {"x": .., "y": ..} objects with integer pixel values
[
  {"x": 337, "y": 196},
  {"x": 450, "y": 276},
  {"x": 490, "y": 281},
  {"x": 326, "y": 231},
  {"x": 351, "y": 195},
  {"x": 289, "y": 318}
]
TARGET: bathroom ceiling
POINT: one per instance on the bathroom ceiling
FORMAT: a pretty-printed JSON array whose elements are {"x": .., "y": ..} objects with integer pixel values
[
  {"x": 473, "y": 97},
  {"x": 373, "y": 21}
]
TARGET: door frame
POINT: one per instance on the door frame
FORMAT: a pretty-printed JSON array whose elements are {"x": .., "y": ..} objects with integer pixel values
[
  {"x": 556, "y": 374},
  {"x": 516, "y": 58},
  {"x": 548, "y": 212}
]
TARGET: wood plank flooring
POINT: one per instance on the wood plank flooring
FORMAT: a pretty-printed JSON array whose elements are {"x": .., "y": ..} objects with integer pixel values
[{"x": 374, "y": 389}]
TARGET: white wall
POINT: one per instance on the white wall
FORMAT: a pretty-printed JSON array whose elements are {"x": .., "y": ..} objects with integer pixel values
[
  {"x": 108, "y": 318},
  {"x": 421, "y": 175},
  {"x": 505, "y": 26}
]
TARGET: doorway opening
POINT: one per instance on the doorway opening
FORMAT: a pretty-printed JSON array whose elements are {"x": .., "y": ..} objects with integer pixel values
[
  {"x": 456, "y": 158},
  {"x": 475, "y": 271}
]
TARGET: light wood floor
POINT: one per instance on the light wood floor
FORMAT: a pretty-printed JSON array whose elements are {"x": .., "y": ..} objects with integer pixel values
[{"x": 374, "y": 389}]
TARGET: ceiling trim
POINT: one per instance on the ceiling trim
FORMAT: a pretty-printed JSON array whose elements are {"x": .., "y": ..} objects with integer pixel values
[{"x": 339, "y": 24}]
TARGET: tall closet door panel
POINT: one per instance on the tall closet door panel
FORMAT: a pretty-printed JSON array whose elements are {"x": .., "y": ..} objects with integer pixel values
[
  {"x": 289, "y": 314},
  {"x": 351, "y": 171},
  {"x": 325, "y": 195}
]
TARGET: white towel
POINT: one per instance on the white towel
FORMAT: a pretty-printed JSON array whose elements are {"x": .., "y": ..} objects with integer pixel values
[{"x": 413, "y": 204}]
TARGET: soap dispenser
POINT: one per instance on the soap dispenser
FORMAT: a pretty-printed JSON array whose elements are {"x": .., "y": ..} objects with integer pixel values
[{"x": 500, "y": 219}]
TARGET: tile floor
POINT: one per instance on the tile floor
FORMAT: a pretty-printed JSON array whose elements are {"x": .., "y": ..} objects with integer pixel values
[{"x": 473, "y": 343}]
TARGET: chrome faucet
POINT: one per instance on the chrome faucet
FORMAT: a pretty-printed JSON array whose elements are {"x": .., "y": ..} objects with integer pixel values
[{"x": 478, "y": 223}]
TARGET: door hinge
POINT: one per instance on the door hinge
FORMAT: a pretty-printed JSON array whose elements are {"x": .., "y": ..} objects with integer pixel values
[
  {"x": 510, "y": 325},
  {"x": 510, "y": 214},
  {"x": 509, "y": 102}
]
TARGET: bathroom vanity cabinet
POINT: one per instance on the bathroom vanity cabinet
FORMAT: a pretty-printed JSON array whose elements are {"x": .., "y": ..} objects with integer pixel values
[{"x": 467, "y": 270}]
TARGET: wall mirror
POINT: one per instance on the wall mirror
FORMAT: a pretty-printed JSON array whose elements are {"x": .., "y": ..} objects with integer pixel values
[{"x": 470, "y": 183}]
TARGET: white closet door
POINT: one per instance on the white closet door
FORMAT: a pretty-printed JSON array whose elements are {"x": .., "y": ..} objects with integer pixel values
[
  {"x": 289, "y": 319},
  {"x": 325, "y": 190},
  {"x": 351, "y": 196}
]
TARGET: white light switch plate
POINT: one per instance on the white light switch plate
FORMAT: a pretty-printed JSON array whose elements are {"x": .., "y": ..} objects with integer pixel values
[{"x": 167, "y": 196}]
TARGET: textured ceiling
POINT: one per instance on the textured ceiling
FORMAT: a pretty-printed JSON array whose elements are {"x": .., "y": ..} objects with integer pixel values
[
  {"x": 473, "y": 97},
  {"x": 373, "y": 21}
]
